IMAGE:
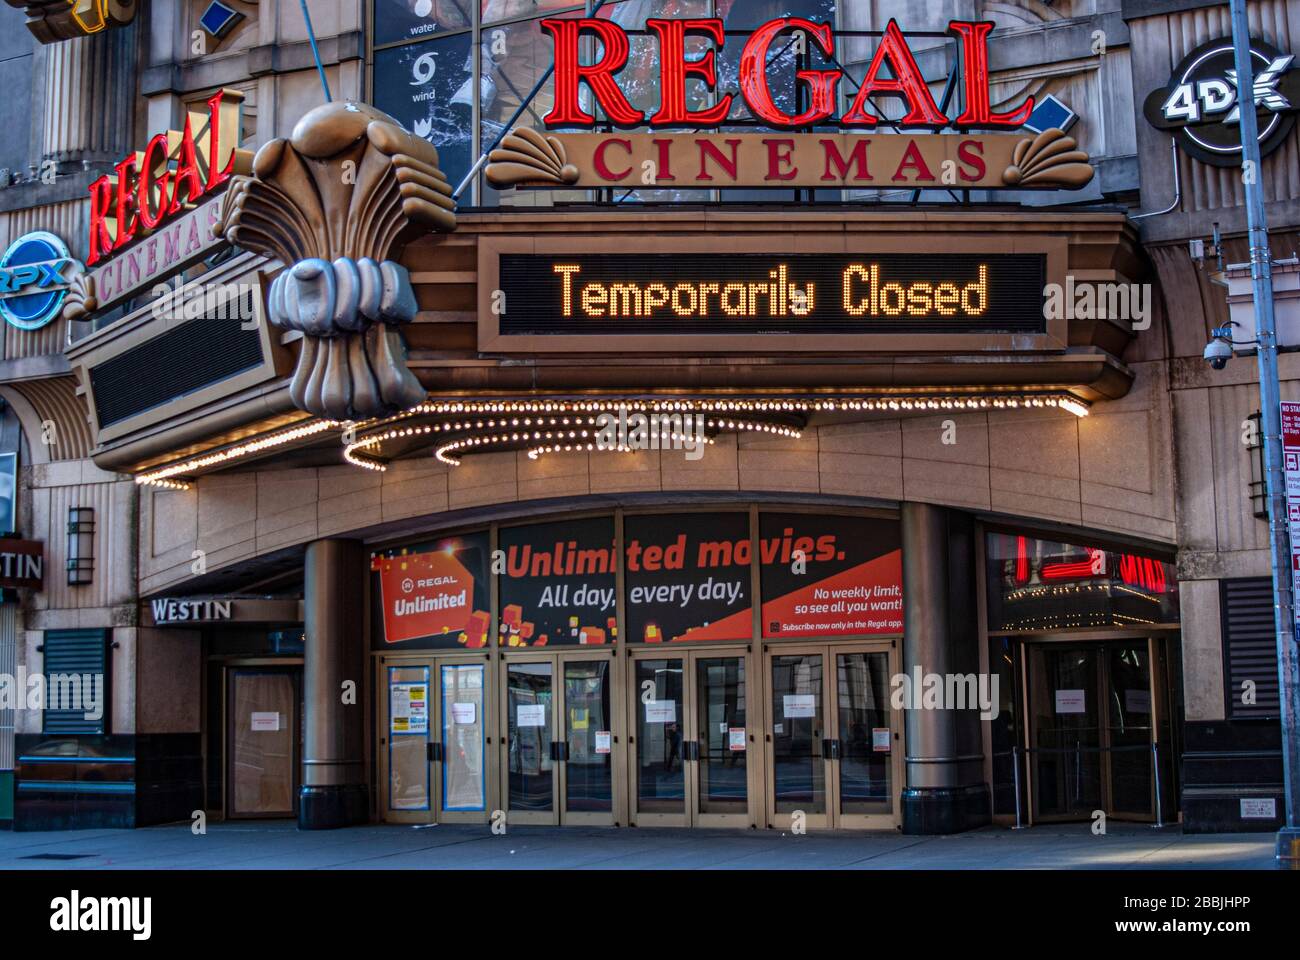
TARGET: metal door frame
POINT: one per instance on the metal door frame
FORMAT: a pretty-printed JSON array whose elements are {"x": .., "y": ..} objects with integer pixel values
[
  {"x": 1097, "y": 646},
  {"x": 690, "y": 815},
  {"x": 433, "y": 661},
  {"x": 833, "y": 817},
  {"x": 558, "y": 814}
]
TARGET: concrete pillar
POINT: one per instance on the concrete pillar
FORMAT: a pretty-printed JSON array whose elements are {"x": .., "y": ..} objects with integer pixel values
[
  {"x": 88, "y": 108},
  {"x": 945, "y": 791},
  {"x": 334, "y": 791}
]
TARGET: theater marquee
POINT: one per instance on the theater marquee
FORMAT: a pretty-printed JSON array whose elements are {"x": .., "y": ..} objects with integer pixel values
[{"x": 805, "y": 149}]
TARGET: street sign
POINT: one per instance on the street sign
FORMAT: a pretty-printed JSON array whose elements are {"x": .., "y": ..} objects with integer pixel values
[{"x": 1291, "y": 468}]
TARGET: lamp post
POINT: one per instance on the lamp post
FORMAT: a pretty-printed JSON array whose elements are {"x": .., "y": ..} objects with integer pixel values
[{"x": 1288, "y": 838}]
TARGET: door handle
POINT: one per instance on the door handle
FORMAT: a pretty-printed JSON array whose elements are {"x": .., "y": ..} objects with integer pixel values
[
  {"x": 433, "y": 750},
  {"x": 559, "y": 751},
  {"x": 691, "y": 750},
  {"x": 830, "y": 749}
]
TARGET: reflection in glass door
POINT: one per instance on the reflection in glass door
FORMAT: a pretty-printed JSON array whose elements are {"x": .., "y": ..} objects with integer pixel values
[
  {"x": 1065, "y": 702},
  {"x": 864, "y": 737},
  {"x": 832, "y": 737},
  {"x": 588, "y": 752},
  {"x": 1129, "y": 729},
  {"x": 461, "y": 774},
  {"x": 408, "y": 755},
  {"x": 722, "y": 781},
  {"x": 1092, "y": 725},
  {"x": 798, "y": 737},
  {"x": 691, "y": 739},
  {"x": 559, "y": 745},
  {"x": 434, "y": 741},
  {"x": 530, "y": 778},
  {"x": 659, "y": 768}
]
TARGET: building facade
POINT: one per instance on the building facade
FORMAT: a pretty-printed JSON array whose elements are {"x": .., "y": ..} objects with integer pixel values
[{"x": 480, "y": 443}]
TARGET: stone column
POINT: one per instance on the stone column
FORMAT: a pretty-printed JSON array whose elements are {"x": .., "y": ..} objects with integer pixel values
[
  {"x": 945, "y": 790},
  {"x": 88, "y": 113},
  {"x": 334, "y": 791}
]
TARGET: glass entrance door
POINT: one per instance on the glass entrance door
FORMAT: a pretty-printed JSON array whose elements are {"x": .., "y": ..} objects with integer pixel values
[
  {"x": 832, "y": 737},
  {"x": 435, "y": 741},
  {"x": 558, "y": 752},
  {"x": 691, "y": 739},
  {"x": 1093, "y": 717}
]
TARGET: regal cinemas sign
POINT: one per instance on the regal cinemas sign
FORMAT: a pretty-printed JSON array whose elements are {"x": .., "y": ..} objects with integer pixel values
[
  {"x": 153, "y": 215},
  {"x": 819, "y": 146}
]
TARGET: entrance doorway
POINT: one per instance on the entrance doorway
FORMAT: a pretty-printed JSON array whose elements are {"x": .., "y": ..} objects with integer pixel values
[
  {"x": 1098, "y": 729},
  {"x": 434, "y": 741},
  {"x": 832, "y": 740},
  {"x": 263, "y": 741},
  {"x": 691, "y": 736},
  {"x": 559, "y": 751}
]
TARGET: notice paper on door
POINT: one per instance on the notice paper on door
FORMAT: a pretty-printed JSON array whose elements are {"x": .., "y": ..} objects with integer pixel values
[
  {"x": 602, "y": 741},
  {"x": 661, "y": 711},
  {"x": 1137, "y": 701},
  {"x": 531, "y": 715},
  {"x": 1071, "y": 701},
  {"x": 800, "y": 705},
  {"x": 736, "y": 738},
  {"x": 464, "y": 713},
  {"x": 880, "y": 739},
  {"x": 266, "y": 722},
  {"x": 408, "y": 707}
]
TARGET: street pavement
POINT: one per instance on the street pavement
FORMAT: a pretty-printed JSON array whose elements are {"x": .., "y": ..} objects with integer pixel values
[{"x": 280, "y": 845}]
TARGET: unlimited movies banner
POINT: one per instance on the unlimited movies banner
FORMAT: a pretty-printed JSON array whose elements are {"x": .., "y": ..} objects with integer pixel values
[{"x": 830, "y": 576}]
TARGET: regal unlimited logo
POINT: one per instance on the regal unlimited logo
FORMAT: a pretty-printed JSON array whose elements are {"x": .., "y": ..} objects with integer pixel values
[
  {"x": 1201, "y": 104},
  {"x": 34, "y": 276}
]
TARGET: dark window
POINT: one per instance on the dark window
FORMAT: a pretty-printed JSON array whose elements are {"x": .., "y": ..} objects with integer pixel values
[
  {"x": 1249, "y": 648},
  {"x": 76, "y": 677},
  {"x": 1038, "y": 585},
  {"x": 182, "y": 361}
]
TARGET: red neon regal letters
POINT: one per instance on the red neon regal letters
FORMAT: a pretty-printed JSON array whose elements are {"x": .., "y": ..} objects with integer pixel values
[
  {"x": 174, "y": 171},
  {"x": 905, "y": 79}
]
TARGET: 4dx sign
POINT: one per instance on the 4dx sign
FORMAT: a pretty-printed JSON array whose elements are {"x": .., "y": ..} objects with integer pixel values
[
  {"x": 893, "y": 70},
  {"x": 175, "y": 170}
]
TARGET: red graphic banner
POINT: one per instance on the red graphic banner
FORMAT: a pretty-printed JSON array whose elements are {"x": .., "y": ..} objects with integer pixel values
[
  {"x": 864, "y": 599},
  {"x": 429, "y": 594}
]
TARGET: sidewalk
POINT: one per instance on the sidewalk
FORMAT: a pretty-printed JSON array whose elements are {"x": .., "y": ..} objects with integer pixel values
[{"x": 280, "y": 845}]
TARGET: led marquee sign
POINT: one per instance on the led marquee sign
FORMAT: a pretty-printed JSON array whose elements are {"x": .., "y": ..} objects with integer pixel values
[{"x": 675, "y": 294}]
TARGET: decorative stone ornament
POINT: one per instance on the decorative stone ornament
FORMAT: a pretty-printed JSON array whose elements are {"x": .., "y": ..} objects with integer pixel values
[
  {"x": 336, "y": 203},
  {"x": 1049, "y": 159},
  {"x": 52, "y": 21}
]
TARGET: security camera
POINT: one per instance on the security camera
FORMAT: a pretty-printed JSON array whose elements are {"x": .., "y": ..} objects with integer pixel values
[{"x": 1218, "y": 353}]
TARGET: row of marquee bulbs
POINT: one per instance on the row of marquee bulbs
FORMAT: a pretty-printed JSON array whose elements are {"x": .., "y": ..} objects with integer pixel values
[{"x": 173, "y": 475}]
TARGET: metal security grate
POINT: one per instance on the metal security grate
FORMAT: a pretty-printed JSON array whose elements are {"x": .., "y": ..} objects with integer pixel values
[
  {"x": 82, "y": 653},
  {"x": 188, "y": 358},
  {"x": 1250, "y": 647}
]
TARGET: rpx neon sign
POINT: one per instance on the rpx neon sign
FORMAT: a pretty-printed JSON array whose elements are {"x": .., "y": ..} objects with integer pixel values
[
  {"x": 893, "y": 70},
  {"x": 175, "y": 170}
]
